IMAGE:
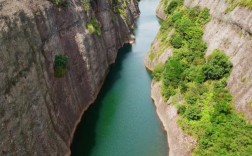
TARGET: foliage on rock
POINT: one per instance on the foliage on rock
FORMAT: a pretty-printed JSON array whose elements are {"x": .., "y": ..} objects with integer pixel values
[
  {"x": 206, "y": 110},
  {"x": 94, "y": 27},
  {"x": 60, "y": 65}
]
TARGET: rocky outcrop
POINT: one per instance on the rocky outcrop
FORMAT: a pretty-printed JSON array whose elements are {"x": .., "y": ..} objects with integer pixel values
[
  {"x": 38, "y": 112},
  {"x": 160, "y": 11},
  {"x": 227, "y": 31},
  {"x": 156, "y": 44},
  {"x": 179, "y": 143}
]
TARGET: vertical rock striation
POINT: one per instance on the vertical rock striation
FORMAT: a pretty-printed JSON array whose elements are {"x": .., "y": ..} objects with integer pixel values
[{"x": 38, "y": 112}]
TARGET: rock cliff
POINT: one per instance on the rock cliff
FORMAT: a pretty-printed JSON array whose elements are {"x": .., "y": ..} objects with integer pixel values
[
  {"x": 38, "y": 112},
  {"x": 229, "y": 31}
]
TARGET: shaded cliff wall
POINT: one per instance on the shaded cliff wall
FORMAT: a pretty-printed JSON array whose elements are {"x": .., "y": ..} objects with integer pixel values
[
  {"x": 38, "y": 112},
  {"x": 227, "y": 31}
]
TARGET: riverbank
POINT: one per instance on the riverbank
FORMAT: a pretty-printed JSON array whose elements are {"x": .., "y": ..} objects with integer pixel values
[{"x": 179, "y": 144}]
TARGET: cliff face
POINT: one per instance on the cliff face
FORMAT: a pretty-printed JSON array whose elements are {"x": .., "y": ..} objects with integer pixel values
[
  {"x": 38, "y": 112},
  {"x": 227, "y": 31},
  {"x": 231, "y": 32}
]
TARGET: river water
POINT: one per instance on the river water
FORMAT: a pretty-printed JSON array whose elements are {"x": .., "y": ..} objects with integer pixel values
[{"x": 123, "y": 121}]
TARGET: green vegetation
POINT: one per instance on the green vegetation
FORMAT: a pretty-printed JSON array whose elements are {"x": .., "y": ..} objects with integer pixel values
[
  {"x": 172, "y": 6},
  {"x": 217, "y": 66},
  {"x": 60, "y": 65},
  {"x": 158, "y": 70},
  {"x": 119, "y": 7},
  {"x": 94, "y": 27},
  {"x": 242, "y": 3},
  {"x": 164, "y": 31},
  {"x": 206, "y": 108},
  {"x": 60, "y": 2},
  {"x": 85, "y": 5}
]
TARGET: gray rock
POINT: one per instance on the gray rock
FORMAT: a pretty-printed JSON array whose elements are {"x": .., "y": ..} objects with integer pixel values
[{"x": 38, "y": 112}]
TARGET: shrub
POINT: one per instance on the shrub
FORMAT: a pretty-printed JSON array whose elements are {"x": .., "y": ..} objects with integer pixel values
[
  {"x": 60, "y": 65},
  {"x": 193, "y": 113},
  {"x": 193, "y": 32},
  {"x": 157, "y": 72},
  {"x": 217, "y": 66},
  {"x": 94, "y": 27},
  {"x": 183, "y": 87},
  {"x": 173, "y": 70},
  {"x": 222, "y": 107},
  {"x": 171, "y": 7},
  {"x": 197, "y": 45},
  {"x": 85, "y": 4},
  {"x": 176, "y": 41},
  {"x": 176, "y": 16},
  {"x": 181, "y": 109},
  {"x": 193, "y": 13},
  {"x": 195, "y": 73},
  {"x": 167, "y": 92},
  {"x": 191, "y": 98},
  {"x": 61, "y": 2},
  {"x": 203, "y": 17},
  {"x": 183, "y": 24}
]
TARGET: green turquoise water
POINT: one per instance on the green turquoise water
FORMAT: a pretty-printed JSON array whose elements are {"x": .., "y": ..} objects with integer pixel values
[{"x": 123, "y": 121}]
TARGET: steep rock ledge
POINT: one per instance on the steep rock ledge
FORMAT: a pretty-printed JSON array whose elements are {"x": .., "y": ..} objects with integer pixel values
[
  {"x": 179, "y": 144},
  {"x": 38, "y": 112}
]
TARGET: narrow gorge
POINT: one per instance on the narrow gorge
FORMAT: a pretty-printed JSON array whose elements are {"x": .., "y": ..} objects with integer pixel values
[
  {"x": 122, "y": 121},
  {"x": 126, "y": 77}
]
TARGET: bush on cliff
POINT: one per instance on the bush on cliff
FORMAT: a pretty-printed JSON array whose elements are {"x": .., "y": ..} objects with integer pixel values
[
  {"x": 217, "y": 66},
  {"x": 60, "y": 2},
  {"x": 176, "y": 41},
  {"x": 172, "y": 6},
  {"x": 94, "y": 27},
  {"x": 60, "y": 65},
  {"x": 157, "y": 72}
]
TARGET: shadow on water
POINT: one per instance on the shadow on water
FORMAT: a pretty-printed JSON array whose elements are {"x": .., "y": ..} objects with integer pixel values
[{"x": 84, "y": 138}]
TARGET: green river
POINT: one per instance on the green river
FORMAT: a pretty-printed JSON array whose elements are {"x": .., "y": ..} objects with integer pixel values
[{"x": 123, "y": 121}]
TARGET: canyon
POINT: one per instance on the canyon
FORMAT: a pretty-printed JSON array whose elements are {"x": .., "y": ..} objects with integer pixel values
[{"x": 39, "y": 112}]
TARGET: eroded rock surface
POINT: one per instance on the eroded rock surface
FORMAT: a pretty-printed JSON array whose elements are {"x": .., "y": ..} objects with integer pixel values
[
  {"x": 179, "y": 143},
  {"x": 38, "y": 112}
]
